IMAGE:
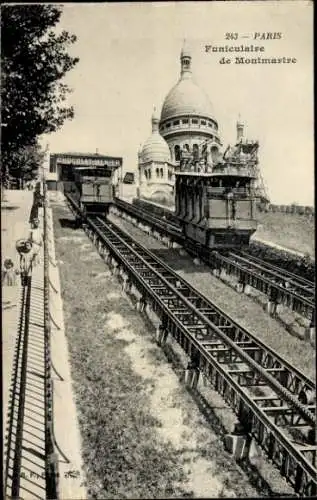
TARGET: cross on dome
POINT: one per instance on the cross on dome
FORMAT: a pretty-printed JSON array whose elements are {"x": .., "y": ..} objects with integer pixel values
[{"x": 185, "y": 52}]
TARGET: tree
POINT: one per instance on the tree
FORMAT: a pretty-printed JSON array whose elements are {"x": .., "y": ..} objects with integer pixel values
[
  {"x": 34, "y": 62},
  {"x": 27, "y": 161}
]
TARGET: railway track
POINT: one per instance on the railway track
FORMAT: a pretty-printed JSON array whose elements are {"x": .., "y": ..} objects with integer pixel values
[
  {"x": 271, "y": 398},
  {"x": 166, "y": 226},
  {"x": 161, "y": 212},
  {"x": 25, "y": 431},
  {"x": 277, "y": 283},
  {"x": 290, "y": 280}
]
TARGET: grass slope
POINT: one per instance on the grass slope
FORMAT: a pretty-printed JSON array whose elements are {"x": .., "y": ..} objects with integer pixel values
[{"x": 296, "y": 232}]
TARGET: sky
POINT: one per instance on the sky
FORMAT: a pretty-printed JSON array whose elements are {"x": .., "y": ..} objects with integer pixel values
[{"x": 129, "y": 61}]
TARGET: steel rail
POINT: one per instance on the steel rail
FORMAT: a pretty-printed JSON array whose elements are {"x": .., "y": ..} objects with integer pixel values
[
  {"x": 205, "y": 304},
  {"x": 284, "y": 273},
  {"x": 172, "y": 229},
  {"x": 276, "y": 276},
  {"x": 297, "y": 382},
  {"x": 157, "y": 210},
  {"x": 211, "y": 257},
  {"x": 302, "y": 382},
  {"x": 255, "y": 272},
  {"x": 295, "y": 454}
]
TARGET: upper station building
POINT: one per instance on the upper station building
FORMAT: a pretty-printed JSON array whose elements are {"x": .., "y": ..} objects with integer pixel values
[
  {"x": 187, "y": 124},
  {"x": 61, "y": 164}
]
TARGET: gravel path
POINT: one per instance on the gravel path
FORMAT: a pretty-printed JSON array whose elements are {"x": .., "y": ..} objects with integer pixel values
[{"x": 14, "y": 225}]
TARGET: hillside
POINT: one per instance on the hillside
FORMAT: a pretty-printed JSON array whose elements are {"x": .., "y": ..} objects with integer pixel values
[{"x": 296, "y": 232}]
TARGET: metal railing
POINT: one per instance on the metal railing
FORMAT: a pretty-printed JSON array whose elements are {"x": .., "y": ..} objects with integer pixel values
[
  {"x": 18, "y": 391},
  {"x": 19, "y": 381},
  {"x": 51, "y": 458}
]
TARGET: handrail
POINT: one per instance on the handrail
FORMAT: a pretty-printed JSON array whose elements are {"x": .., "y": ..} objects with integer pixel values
[{"x": 51, "y": 474}]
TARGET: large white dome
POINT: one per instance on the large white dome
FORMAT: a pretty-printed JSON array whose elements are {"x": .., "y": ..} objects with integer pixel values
[{"x": 186, "y": 97}]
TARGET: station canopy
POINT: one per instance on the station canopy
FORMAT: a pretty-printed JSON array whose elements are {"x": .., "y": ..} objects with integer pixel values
[
  {"x": 63, "y": 165},
  {"x": 86, "y": 160}
]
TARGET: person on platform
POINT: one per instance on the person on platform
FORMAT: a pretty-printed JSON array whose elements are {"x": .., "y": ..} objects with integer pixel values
[
  {"x": 24, "y": 247},
  {"x": 8, "y": 273},
  {"x": 36, "y": 239}
]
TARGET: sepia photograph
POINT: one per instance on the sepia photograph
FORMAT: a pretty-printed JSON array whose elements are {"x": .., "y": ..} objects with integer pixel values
[{"x": 157, "y": 250}]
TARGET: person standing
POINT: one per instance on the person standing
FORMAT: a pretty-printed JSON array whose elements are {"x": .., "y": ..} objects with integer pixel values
[
  {"x": 8, "y": 273},
  {"x": 24, "y": 247},
  {"x": 36, "y": 239}
]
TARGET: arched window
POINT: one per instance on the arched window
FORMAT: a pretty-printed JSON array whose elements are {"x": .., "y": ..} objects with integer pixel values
[
  {"x": 195, "y": 152},
  {"x": 157, "y": 172},
  {"x": 214, "y": 153},
  {"x": 145, "y": 173},
  {"x": 187, "y": 147},
  {"x": 161, "y": 171},
  {"x": 177, "y": 152}
]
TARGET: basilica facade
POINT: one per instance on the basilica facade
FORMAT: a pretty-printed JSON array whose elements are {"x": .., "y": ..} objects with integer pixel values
[{"x": 187, "y": 125}]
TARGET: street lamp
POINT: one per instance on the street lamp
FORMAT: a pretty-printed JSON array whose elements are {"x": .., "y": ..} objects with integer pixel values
[{"x": 6, "y": 172}]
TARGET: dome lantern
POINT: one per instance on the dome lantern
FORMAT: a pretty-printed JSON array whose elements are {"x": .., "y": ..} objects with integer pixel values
[
  {"x": 185, "y": 62},
  {"x": 240, "y": 129},
  {"x": 155, "y": 121}
]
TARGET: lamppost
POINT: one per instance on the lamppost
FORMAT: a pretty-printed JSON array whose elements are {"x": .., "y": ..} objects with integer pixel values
[
  {"x": 45, "y": 161},
  {"x": 5, "y": 178}
]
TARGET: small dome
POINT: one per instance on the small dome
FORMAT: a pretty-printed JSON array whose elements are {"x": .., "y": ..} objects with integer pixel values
[{"x": 155, "y": 147}]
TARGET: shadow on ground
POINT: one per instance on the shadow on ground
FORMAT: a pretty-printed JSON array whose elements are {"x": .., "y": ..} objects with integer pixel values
[
  {"x": 178, "y": 262},
  {"x": 69, "y": 223}
]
